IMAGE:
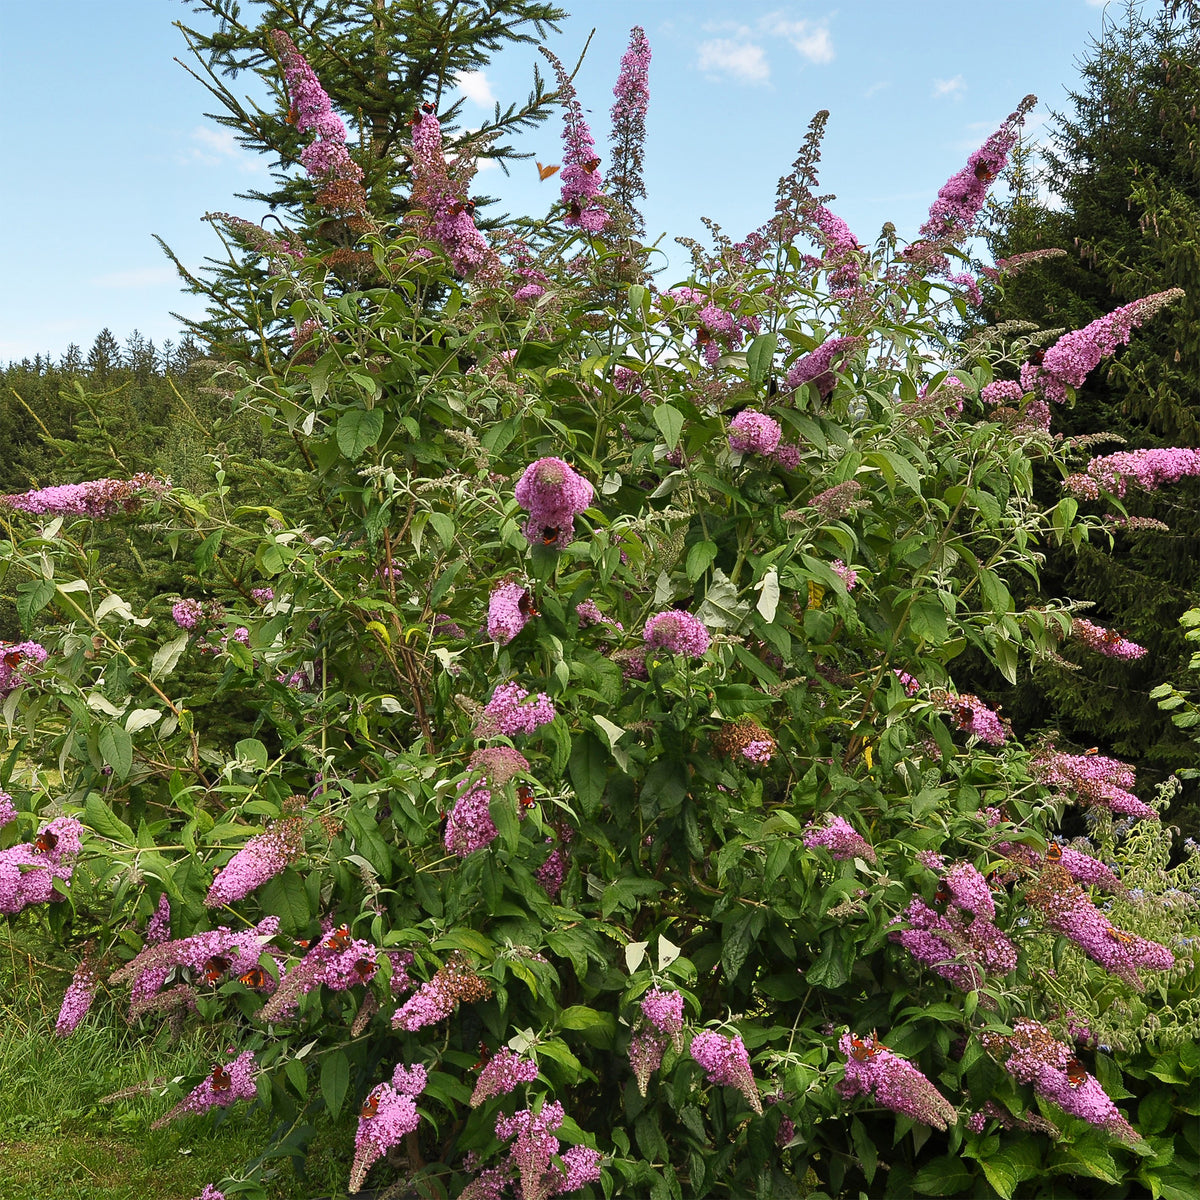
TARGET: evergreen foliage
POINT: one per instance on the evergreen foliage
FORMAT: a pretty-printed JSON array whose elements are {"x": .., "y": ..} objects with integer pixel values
[
  {"x": 378, "y": 62},
  {"x": 1122, "y": 167}
]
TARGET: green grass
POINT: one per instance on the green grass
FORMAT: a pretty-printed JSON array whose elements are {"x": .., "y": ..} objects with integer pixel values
[{"x": 60, "y": 1140}]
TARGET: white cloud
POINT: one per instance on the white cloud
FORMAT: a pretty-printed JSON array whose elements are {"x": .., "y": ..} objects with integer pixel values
[
  {"x": 138, "y": 277},
  {"x": 809, "y": 39},
  {"x": 475, "y": 86},
  {"x": 949, "y": 87},
  {"x": 214, "y": 147},
  {"x": 744, "y": 60},
  {"x": 876, "y": 88}
]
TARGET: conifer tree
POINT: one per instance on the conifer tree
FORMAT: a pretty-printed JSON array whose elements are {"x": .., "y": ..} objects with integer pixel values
[
  {"x": 379, "y": 63},
  {"x": 1122, "y": 168}
]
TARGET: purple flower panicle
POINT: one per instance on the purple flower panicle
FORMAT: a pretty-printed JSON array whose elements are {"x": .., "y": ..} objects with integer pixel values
[
  {"x": 19, "y": 662},
  {"x": 260, "y": 859},
  {"x": 677, "y": 632},
  {"x": 227, "y": 1082},
  {"x": 554, "y": 494},
  {"x": 1076, "y": 354},
  {"x": 872, "y": 1069},
  {"x": 504, "y": 1072},
  {"x": 510, "y": 711},
  {"x": 78, "y": 998},
  {"x": 753, "y": 432},
  {"x": 8, "y": 810},
  {"x": 1105, "y": 641},
  {"x": 726, "y": 1062},
  {"x": 580, "y": 175},
  {"x": 29, "y": 870},
  {"x": 509, "y": 608},
  {"x": 96, "y": 498},
  {"x": 840, "y": 838},
  {"x": 388, "y": 1116},
  {"x": 821, "y": 365}
]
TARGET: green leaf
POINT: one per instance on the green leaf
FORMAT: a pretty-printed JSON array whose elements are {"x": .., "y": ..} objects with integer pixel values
[
  {"x": 98, "y": 816},
  {"x": 759, "y": 356},
  {"x": 443, "y": 526},
  {"x": 588, "y": 768},
  {"x": 254, "y": 750},
  {"x": 335, "y": 1079},
  {"x": 285, "y": 897},
  {"x": 864, "y": 1148},
  {"x": 928, "y": 620},
  {"x": 579, "y": 1016},
  {"x": 670, "y": 421},
  {"x": 32, "y": 598},
  {"x": 699, "y": 557},
  {"x": 167, "y": 656},
  {"x": 943, "y": 1177},
  {"x": 116, "y": 748},
  {"x": 357, "y": 429}
]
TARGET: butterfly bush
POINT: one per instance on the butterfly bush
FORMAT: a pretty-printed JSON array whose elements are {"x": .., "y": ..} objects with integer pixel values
[
  {"x": 261, "y": 858},
  {"x": 96, "y": 498},
  {"x": 394, "y": 1117},
  {"x": 504, "y": 1072},
  {"x": 553, "y": 494},
  {"x": 228, "y": 1083},
  {"x": 678, "y": 633},
  {"x": 786, "y": 798},
  {"x": 840, "y": 838},
  {"x": 895, "y": 1083},
  {"x": 78, "y": 998},
  {"x": 1076, "y": 354},
  {"x": 1104, "y": 641},
  {"x": 725, "y": 1061},
  {"x": 580, "y": 175}
]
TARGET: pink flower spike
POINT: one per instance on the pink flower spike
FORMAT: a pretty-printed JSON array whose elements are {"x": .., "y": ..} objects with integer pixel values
[
  {"x": 726, "y": 1062},
  {"x": 872, "y": 1069}
]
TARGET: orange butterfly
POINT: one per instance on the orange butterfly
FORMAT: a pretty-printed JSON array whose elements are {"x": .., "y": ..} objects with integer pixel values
[
  {"x": 1076, "y": 1073},
  {"x": 339, "y": 939},
  {"x": 1054, "y": 852},
  {"x": 45, "y": 842},
  {"x": 370, "y": 1107},
  {"x": 525, "y": 605},
  {"x": 525, "y": 796},
  {"x": 12, "y": 658},
  {"x": 364, "y": 968},
  {"x": 544, "y": 173},
  {"x": 222, "y": 1081},
  {"x": 1119, "y": 935},
  {"x": 860, "y": 1051},
  {"x": 591, "y": 165},
  {"x": 549, "y": 535},
  {"x": 942, "y": 895},
  {"x": 256, "y": 977},
  {"x": 215, "y": 968}
]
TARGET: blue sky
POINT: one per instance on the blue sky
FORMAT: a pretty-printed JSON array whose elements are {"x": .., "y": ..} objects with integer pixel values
[{"x": 106, "y": 142}]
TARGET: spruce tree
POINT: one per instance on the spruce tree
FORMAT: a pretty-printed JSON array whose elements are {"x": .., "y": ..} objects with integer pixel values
[
  {"x": 379, "y": 63},
  {"x": 1122, "y": 168}
]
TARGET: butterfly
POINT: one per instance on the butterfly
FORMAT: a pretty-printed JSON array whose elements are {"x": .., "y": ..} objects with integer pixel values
[
  {"x": 215, "y": 968},
  {"x": 364, "y": 968},
  {"x": 1054, "y": 852},
  {"x": 1037, "y": 357},
  {"x": 1119, "y": 935},
  {"x": 303, "y": 943},
  {"x": 860, "y": 1051},
  {"x": 339, "y": 939},
  {"x": 222, "y": 1081},
  {"x": 256, "y": 977},
  {"x": 1093, "y": 750},
  {"x": 525, "y": 605},
  {"x": 984, "y": 172},
  {"x": 462, "y": 206},
  {"x": 370, "y": 1107},
  {"x": 525, "y": 796},
  {"x": 291, "y": 114},
  {"x": 544, "y": 173},
  {"x": 549, "y": 535},
  {"x": 484, "y": 1055},
  {"x": 428, "y": 109},
  {"x": 12, "y": 658},
  {"x": 574, "y": 210},
  {"x": 45, "y": 842},
  {"x": 942, "y": 895},
  {"x": 591, "y": 165},
  {"x": 1076, "y": 1073}
]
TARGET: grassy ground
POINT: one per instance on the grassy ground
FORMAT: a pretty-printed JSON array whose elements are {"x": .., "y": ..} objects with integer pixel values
[{"x": 60, "y": 1141}]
